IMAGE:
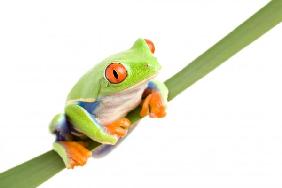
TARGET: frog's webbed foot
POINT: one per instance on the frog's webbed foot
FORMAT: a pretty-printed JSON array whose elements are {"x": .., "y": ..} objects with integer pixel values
[
  {"x": 153, "y": 105},
  {"x": 73, "y": 153},
  {"x": 119, "y": 127}
]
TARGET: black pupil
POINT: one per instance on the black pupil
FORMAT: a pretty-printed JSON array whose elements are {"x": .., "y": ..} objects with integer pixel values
[{"x": 115, "y": 74}]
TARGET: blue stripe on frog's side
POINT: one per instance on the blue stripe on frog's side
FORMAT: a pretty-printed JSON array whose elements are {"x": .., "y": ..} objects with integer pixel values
[
  {"x": 89, "y": 106},
  {"x": 63, "y": 129},
  {"x": 63, "y": 126},
  {"x": 151, "y": 85}
]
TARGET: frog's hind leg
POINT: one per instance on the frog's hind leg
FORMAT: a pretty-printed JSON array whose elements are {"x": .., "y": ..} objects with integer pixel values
[{"x": 73, "y": 153}]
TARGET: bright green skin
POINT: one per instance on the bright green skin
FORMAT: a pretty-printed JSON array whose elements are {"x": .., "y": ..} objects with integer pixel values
[{"x": 141, "y": 66}]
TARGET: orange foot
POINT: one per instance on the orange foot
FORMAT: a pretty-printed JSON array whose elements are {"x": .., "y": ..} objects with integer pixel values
[
  {"x": 119, "y": 127},
  {"x": 76, "y": 153},
  {"x": 153, "y": 105}
]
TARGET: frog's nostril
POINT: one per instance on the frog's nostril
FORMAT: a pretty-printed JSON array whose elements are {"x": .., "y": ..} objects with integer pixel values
[{"x": 150, "y": 45}]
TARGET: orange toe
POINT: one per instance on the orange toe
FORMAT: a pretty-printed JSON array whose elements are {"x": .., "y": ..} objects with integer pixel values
[
  {"x": 157, "y": 106},
  {"x": 153, "y": 105},
  {"x": 77, "y": 153},
  {"x": 145, "y": 106},
  {"x": 119, "y": 127}
]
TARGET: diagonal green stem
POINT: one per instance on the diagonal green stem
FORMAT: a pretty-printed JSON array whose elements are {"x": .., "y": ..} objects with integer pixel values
[
  {"x": 37, "y": 170},
  {"x": 33, "y": 172},
  {"x": 243, "y": 35}
]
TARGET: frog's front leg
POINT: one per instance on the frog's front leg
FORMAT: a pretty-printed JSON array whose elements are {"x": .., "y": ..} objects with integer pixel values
[
  {"x": 154, "y": 100},
  {"x": 86, "y": 123}
]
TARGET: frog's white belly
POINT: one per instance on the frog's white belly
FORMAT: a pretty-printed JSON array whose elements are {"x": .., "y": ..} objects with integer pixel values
[{"x": 115, "y": 106}]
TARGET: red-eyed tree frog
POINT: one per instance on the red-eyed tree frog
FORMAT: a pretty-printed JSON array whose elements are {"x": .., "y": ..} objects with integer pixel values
[{"x": 97, "y": 106}]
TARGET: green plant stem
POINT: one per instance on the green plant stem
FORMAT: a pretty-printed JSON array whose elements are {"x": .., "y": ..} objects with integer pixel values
[
  {"x": 37, "y": 170},
  {"x": 265, "y": 19}
]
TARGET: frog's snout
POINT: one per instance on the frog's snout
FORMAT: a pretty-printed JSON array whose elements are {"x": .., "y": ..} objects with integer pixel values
[
  {"x": 150, "y": 45},
  {"x": 155, "y": 67}
]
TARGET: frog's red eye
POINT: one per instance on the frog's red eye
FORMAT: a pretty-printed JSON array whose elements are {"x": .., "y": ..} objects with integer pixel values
[
  {"x": 150, "y": 45},
  {"x": 115, "y": 73}
]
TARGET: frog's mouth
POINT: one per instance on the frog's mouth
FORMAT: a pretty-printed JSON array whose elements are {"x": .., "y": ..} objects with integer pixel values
[
  {"x": 141, "y": 83},
  {"x": 134, "y": 90}
]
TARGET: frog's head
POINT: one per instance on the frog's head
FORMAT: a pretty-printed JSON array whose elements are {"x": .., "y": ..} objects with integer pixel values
[
  {"x": 118, "y": 72},
  {"x": 129, "y": 68}
]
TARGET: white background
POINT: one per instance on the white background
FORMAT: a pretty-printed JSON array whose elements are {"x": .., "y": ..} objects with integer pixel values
[{"x": 224, "y": 131}]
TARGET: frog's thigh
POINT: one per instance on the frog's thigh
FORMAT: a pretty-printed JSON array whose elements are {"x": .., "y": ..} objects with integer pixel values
[{"x": 86, "y": 123}]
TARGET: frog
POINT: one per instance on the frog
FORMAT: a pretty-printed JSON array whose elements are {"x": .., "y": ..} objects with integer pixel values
[{"x": 97, "y": 107}]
